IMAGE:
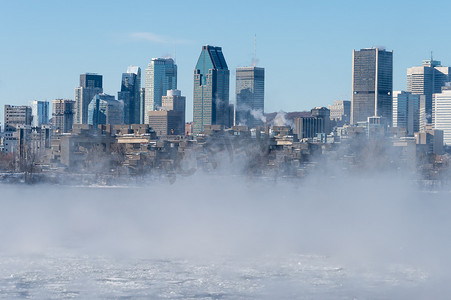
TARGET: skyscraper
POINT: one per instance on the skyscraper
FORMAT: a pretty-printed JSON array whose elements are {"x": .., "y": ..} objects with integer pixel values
[
  {"x": 426, "y": 80},
  {"x": 63, "y": 115},
  {"x": 250, "y": 96},
  {"x": 161, "y": 76},
  {"x": 90, "y": 85},
  {"x": 40, "y": 113},
  {"x": 406, "y": 111},
  {"x": 131, "y": 94},
  {"x": 372, "y": 84},
  {"x": 211, "y": 89}
]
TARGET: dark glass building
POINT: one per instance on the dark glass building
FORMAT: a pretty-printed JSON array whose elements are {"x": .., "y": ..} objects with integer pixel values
[
  {"x": 211, "y": 90},
  {"x": 90, "y": 85},
  {"x": 372, "y": 84},
  {"x": 131, "y": 95}
]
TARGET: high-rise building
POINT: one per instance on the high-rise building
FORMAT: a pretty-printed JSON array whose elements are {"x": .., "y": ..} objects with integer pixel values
[
  {"x": 142, "y": 101},
  {"x": 250, "y": 96},
  {"x": 105, "y": 109},
  {"x": 161, "y": 76},
  {"x": 340, "y": 111},
  {"x": 166, "y": 122},
  {"x": 211, "y": 90},
  {"x": 175, "y": 101},
  {"x": 372, "y": 84},
  {"x": 90, "y": 85},
  {"x": 406, "y": 111},
  {"x": 40, "y": 113},
  {"x": 63, "y": 115},
  {"x": 130, "y": 94},
  {"x": 16, "y": 116},
  {"x": 310, "y": 126},
  {"x": 441, "y": 113},
  {"x": 427, "y": 79}
]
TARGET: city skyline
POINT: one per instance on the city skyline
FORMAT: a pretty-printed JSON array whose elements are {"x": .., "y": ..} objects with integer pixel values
[{"x": 50, "y": 40}]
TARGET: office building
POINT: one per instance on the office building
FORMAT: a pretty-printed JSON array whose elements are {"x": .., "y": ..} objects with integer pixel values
[
  {"x": 372, "y": 84},
  {"x": 161, "y": 76},
  {"x": 175, "y": 101},
  {"x": 211, "y": 90},
  {"x": 250, "y": 96},
  {"x": 130, "y": 94},
  {"x": 142, "y": 99},
  {"x": 40, "y": 113},
  {"x": 16, "y": 116},
  {"x": 90, "y": 85},
  {"x": 427, "y": 80},
  {"x": 167, "y": 122},
  {"x": 441, "y": 113},
  {"x": 63, "y": 115},
  {"x": 406, "y": 111},
  {"x": 105, "y": 109},
  {"x": 310, "y": 126},
  {"x": 340, "y": 112}
]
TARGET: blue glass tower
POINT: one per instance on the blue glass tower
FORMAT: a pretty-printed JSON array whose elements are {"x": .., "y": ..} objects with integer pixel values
[
  {"x": 211, "y": 89},
  {"x": 131, "y": 95}
]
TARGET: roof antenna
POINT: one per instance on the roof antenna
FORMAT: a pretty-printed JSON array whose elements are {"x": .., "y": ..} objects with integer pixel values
[
  {"x": 431, "y": 56},
  {"x": 175, "y": 52}
]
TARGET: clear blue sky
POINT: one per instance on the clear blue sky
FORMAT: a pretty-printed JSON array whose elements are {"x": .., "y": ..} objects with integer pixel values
[{"x": 305, "y": 46}]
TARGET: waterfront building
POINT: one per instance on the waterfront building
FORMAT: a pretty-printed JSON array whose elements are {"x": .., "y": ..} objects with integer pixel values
[
  {"x": 406, "y": 111},
  {"x": 250, "y": 96},
  {"x": 90, "y": 85},
  {"x": 372, "y": 84},
  {"x": 15, "y": 116},
  {"x": 39, "y": 112},
  {"x": 427, "y": 79},
  {"x": 161, "y": 76},
  {"x": 211, "y": 90},
  {"x": 130, "y": 94},
  {"x": 105, "y": 109},
  {"x": 63, "y": 115}
]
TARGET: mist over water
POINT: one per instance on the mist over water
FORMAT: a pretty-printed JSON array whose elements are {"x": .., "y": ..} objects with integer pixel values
[{"x": 227, "y": 237}]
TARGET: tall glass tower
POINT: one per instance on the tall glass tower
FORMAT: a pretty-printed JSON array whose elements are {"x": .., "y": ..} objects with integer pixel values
[
  {"x": 372, "y": 84},
  {"x": 211, "y": 90},
  {"x": 250, "y": 96},
  {"x": 90, "y": 85},
  {"x": 130, "y": 94},
  {"x": 161, "y": 76}
]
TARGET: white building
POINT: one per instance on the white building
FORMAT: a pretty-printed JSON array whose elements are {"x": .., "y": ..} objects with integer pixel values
[
  {"x": 441, "y": 113},
  {"x": 39, "y": 112}
]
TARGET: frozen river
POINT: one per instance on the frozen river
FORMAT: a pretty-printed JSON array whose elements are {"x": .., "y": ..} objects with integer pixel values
[{"x": 225, "y": 238}]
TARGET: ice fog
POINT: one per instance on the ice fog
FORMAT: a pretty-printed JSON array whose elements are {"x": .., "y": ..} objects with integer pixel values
[{"x": 378, "y": 234}]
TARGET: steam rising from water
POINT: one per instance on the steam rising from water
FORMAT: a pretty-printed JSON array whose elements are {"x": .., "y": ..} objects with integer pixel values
[{"x": 365, "y": 231}]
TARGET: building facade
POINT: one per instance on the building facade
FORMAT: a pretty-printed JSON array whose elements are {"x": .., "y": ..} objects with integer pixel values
[
  {"x": 105, "y": 109},
  {"x": 372, "y": 84},
  {"x": 16, "y": 116},
  {"x": 63, "y": 115},
  {"x": 250, "y": 96},
  {"x": 161, "y": 76},
  {"x": 90, "y": 85},
  {"x": 441, "y": 113},
  {"x": 176, "y": 102},
  {"x": 130, "y": 94},
  {"x": 40, "y": 113},
  {"x": 427, "y": 80},
  {"x": 211, "y": 90},
  {"x": 340, "y": 111},
  {"x": 406, "y": 111},
  {"x": 167, "y": 122}
]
